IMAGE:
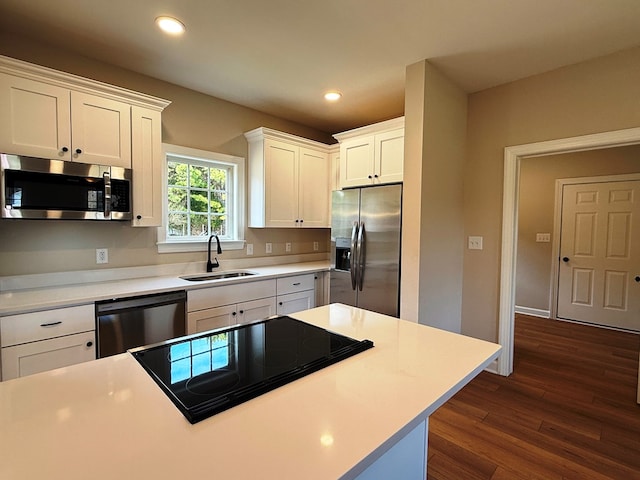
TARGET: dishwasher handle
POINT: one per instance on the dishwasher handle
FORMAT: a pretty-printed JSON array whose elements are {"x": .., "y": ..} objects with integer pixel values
[{"x": 155, "y": 300}]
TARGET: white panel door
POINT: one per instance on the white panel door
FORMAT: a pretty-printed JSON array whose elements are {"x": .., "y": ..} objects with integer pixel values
[
  {"x": 389, "y": 156},
  {"x": 356, "y": 161},
  {"x": 281, "y": 192},
  {"x": 256, "y": 310},
  {"x": 101, "y": 130},
  {"x": 599, "y": 279},
  {"x": 35, "y": 118},
  {"x": 313, "y": 189},
  {"x": 36, "y": 357}
]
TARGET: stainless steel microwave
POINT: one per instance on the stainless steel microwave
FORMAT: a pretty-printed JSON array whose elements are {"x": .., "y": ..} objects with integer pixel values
[{"x": 54, "y": 189}]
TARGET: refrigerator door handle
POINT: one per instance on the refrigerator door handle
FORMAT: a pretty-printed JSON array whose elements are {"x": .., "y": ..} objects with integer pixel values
[
  {"x": 353, "y": 259},
  {"x": 361, "y": 256}
]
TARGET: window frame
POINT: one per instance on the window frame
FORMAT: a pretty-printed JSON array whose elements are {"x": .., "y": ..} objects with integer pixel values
[{"x": 236, "y": 223}]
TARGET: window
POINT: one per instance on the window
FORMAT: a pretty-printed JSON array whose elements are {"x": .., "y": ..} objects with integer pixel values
[{"x": 204, "y": 194}]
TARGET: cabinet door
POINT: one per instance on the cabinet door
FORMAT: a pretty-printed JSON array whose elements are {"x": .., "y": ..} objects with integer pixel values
[
  {"x": 35, "y": 118},
  {"x": 147, "y": 164},
  {"x": 313, "y": 189},
  {"x": 356, "y": 161},
  {"x": 281, "y": 184},
  {"x": 211, "y": 319},
  {"x": 389, "y": 156},
  {"x": 100, "y": 130},
  {"x": 295, "y": 302},
  {"x": 36, "y": 357},
  {"x": 256, "y": 310}
]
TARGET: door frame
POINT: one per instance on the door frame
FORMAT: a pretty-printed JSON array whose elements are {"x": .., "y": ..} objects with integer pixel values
[
  {"x": 557, "y": 226},
  {"x": 512, "y": 157}
]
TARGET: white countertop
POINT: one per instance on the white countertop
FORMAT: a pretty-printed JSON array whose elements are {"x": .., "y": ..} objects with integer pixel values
[
  {"x": 107, "y": 419},
  {"x": 29, "y": 300}
]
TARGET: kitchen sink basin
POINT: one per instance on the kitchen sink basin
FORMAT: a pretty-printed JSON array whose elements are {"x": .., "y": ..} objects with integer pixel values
[{"x": 203, "y": 277}]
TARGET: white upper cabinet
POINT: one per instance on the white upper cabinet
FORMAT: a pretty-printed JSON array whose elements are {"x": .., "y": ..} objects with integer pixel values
[
  {"x": 50, "y": 114},
  {"x": 372, "y": 155},
  {"x": 48, "y": 121},
  {"x": 289, "y": 181}
]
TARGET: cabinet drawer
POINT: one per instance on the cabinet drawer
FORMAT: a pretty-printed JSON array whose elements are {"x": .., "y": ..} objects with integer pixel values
[
  {"x": 31, "y": 327},
  {"x": 297, "y": 283},
  {"x": 227, "y": 294},
  {"x": 36, "y": 357}
]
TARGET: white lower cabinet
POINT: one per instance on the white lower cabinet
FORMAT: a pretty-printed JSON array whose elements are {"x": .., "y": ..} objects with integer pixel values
[
  {"x": 218, "y": 307},
  {"x": 296, "y": 293},
  {"x": 295, "y": 302},
  {"x": 36, "y": 357},
  {"x": 227, "y": 315},
  {"x": 40, "y": 341}
]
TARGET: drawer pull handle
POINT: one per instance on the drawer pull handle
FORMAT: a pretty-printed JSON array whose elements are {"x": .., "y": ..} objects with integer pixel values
[
  {"x": 52, "y": 324},
  {"x": 296, "y": 284}
]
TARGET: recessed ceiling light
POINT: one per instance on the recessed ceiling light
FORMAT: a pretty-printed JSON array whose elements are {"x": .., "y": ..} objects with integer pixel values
[
  {"x": 332, "y": 96},
  {"x": 170, "y": 25}
]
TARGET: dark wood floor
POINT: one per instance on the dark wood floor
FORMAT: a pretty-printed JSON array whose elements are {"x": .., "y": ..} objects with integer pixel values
[{"x": 568, "y": 411}]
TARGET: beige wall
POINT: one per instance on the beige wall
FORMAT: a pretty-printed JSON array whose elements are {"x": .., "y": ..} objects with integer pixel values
[
  {"x": 591, "y": 97},
  {"x": 193, "y": 120},
  {"x": 433, "y": 229},
  {"x": 536, "y": 211}
]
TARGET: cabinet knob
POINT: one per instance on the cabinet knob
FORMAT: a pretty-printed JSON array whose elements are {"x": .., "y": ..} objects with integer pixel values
[
  {"x": 301, "y": 220},
  {"x": 139, "y": 217},
  {"x": 280, "y": 303},
  {"x": 376, "y": 175},
  {"x": 637, "y": 279},
  {"x": 565, "y": 259},
  {"x": 89, "y": 344},
  {"x": 369, "y": 177},
  {"x": 78, "y": 151},
  {"x": 241, "y": 311},
  {"x": 297, "y": 220},
  {"x": 233, "y": 313},
  {"x": 65, "y": 149}
]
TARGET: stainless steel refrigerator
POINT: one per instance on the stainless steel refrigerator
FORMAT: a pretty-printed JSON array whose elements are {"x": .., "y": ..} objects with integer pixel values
[{"x": 365, "y": 248}]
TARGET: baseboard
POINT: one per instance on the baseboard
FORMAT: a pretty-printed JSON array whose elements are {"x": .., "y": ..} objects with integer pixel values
[{"x": 534, "y": 312}]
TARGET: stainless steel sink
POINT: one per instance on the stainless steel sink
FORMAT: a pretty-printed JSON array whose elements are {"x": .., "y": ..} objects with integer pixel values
[{"x": 203, "y": 277}]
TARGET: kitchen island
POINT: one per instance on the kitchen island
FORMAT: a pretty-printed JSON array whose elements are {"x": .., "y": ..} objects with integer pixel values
[{"x": 363, "y": 417}]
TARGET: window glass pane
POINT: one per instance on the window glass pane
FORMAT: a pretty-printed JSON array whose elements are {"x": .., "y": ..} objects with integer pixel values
[
  {"x": 177, "y": 225},
  {"x": 199, "y": 225},
  {"x": 218, "y": 179},
  {"x": 177, "y": 198},
  {"x": 198, "y": 201},
  {"x": 177, "y": 173},
  {"x": 219, "y": 225},
  {"x": 198, "y": 176}
]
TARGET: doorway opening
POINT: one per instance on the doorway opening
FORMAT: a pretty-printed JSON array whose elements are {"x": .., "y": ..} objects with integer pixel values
[{"x": 512, "y": 157}]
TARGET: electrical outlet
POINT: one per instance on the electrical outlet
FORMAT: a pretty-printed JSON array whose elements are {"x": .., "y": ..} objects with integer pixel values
[
  {"x": 315, "y": 246},
  {"x": 287, "y": 247},
  {"x": 102, "y": 255},
  {"x": 249, "y": 248},
  {"x": 268, "y": 248},
  {"x": 475, "y": 243}
]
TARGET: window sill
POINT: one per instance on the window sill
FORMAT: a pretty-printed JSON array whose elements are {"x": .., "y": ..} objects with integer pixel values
[{"x": 179, "y": 247}]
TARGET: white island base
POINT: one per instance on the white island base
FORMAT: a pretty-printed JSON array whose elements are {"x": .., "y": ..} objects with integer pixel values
[{"x": 365, "y": 417}]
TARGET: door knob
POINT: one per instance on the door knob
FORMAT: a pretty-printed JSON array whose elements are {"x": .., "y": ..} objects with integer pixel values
[{"x": 565, "y": 259}]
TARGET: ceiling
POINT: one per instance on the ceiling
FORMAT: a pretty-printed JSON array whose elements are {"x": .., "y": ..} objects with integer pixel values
[{"x": 280, "y": 56}]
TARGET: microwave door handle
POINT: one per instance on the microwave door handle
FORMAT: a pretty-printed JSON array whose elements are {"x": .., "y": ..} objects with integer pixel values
[
  {"x": 361, "y": 256},
  {"x": 107, "y": 194},
  {"x": 353, "y": 260}
]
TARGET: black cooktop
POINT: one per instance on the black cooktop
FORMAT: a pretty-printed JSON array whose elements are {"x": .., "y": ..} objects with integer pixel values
[{"x": 212, "y": 372}]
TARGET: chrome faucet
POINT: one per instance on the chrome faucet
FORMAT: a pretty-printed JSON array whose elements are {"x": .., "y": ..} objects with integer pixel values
[{"x": 211, "y": 265}]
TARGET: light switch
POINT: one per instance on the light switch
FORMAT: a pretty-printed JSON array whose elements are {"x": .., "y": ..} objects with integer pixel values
[
  {"x": 543, "y": 237},
  {"x": 287, "y": 247},
  {"x": 268, "y": 248},
  {"x": 475, "y": 243},
  {"x": 249, "y": 248}
]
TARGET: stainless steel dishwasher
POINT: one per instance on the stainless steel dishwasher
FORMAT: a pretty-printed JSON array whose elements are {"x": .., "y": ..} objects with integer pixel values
[{"x": 125, "y": 323}]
